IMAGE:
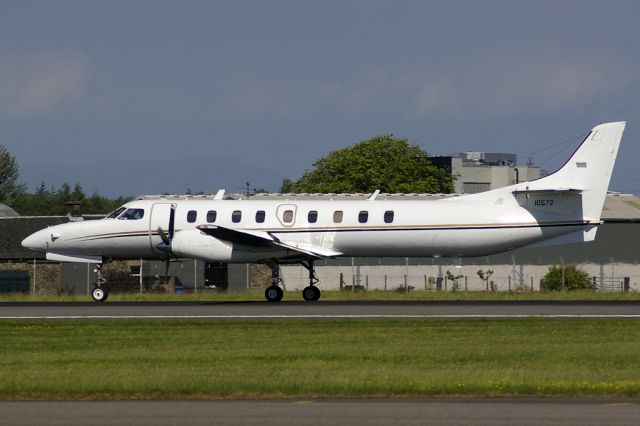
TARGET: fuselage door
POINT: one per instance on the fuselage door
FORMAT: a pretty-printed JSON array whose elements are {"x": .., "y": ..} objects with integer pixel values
[
  {"x": 287, "y": 214},
  {"x": 161, "y": 226}
]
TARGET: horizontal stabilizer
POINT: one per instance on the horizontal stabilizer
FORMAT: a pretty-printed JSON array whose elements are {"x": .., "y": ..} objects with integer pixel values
[
  {"x": 548, "y": 191},
  {"x": 572, "y": 238}
]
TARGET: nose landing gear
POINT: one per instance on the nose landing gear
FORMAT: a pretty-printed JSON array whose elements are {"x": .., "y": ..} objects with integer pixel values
[{"x": 99, "y": 294}]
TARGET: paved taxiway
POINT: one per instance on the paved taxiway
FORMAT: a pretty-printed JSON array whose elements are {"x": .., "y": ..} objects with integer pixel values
[
  {"x": 383, "y": 412},
  {"x": 341, "y": 309}
]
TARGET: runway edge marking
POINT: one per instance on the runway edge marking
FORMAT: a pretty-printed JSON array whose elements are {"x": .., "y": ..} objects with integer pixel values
[{"x": 312, "y": 316}]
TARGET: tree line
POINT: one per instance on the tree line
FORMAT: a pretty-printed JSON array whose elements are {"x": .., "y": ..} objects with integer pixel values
[
  {"x": 46, "y": 201},
  {"x": 62, "y": 201}
]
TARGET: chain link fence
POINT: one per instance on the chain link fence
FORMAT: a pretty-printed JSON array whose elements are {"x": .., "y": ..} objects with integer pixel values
[{"x": 40, "y": 277}]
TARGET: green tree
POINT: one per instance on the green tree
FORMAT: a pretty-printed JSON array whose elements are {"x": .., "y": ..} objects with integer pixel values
[
  {"x": 574, "y": 279},
  {"x": 288, "y": 186},
  {"x": 383, "y": 162},
  {"x": 9, "y": 187}
]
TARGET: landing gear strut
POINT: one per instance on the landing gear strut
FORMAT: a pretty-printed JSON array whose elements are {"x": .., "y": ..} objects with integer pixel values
[
  {"x": 311, "y": 293},
  {"x": 99, "y": 294},
  {"x": 274, "y": 293}
]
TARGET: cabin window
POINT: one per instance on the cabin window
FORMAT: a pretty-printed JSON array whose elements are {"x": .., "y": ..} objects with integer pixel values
[
  {"x": 287, "y": 216},
  {"x": 260, "y": 215},
  {"x": 132, "y": 214},
  {"x": 363, "y": 216},
  {"x": 337, "y": 216},
  {"x": 116, "y": 213},
  {"x": 192, "y": 215},
  {"x": 212, "y": 215},
  {"x": 236, "y": 216},
  {"x": 312, "y": 217},
  {"x": 388, "y": 216}
]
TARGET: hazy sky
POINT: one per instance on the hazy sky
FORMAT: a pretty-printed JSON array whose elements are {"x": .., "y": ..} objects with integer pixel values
[{"x": 152, "y": 96}]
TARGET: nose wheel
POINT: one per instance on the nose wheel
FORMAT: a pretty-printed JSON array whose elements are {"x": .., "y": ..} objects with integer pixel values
[{"x": 99, "y": 294}]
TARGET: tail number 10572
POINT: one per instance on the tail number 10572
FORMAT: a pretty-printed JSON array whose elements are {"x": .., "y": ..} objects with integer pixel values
[{"x": 543, "y": 203}]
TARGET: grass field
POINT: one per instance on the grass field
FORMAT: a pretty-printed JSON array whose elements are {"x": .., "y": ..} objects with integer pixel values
[
  {"x": 246, "y": 358},
  {"x": 258, "y": 295}
]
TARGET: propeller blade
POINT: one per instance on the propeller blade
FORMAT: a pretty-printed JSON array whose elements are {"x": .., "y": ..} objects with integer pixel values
[
  {"x": 163, "y": 236},
  {"x": 166, "y": 270},
  {"x": 172, "y": 222},
  {"x": 167, "y": 238}
]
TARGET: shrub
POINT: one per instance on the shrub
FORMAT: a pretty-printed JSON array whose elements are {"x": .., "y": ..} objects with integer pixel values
[{"x": 574, "y": 279}]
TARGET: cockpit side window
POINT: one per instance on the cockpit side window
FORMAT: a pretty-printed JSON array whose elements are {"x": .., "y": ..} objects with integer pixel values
[
  {"x": 132, "y": 214},
  {"x": 115, "y": 213}
]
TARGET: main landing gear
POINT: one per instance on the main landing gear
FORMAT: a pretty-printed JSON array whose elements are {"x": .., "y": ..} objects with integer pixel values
[
  {"x": 274, "y": 292},
  {"x": 311, "y": 293},
  {"x": 99, "y": 294}
]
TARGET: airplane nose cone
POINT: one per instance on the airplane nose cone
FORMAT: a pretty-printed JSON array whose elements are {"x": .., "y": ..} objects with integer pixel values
[{"x": 36, "y": 241}]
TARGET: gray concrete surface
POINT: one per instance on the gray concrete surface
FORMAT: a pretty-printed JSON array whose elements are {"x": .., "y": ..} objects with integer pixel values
[
  {"x": 494, "y": 412},
  {"x": 320, "y": 309}
]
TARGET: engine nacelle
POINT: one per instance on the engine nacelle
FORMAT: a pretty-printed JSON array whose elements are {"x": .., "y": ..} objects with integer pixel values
[{"x": 195, "y": 244}]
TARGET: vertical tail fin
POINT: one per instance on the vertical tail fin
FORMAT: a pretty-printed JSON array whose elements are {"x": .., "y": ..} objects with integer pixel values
[{"x": 589, "y": 168}]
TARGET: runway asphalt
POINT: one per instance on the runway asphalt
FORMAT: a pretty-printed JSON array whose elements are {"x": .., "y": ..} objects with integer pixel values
[
  {"x": 341, "y": 309},
  {"x": 383, "y": 412}
]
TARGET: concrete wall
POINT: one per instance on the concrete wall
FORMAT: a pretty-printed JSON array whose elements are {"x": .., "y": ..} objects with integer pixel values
[{"x": 424, "y": 277}]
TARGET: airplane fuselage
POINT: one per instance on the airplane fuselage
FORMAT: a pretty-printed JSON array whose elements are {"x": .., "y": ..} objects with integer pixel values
[{"x": 452, "y": 227}]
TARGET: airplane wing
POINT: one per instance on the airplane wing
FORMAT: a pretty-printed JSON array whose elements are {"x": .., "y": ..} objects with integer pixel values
[
  {"x": 265, "y": 239},
  {"x": 244, "y": 237}
]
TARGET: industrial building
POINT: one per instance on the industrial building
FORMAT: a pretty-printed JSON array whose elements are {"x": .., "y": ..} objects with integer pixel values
[{"x": 483, "y": 171}]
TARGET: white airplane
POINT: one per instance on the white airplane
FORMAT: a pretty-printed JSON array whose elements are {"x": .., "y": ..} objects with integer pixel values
[{"x": 564, "y": 207}]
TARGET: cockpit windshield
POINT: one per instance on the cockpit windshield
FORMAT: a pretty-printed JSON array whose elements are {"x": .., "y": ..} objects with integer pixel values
[
  {"x": 132, "y": 214},
  {"x": 115, "y": 213}
]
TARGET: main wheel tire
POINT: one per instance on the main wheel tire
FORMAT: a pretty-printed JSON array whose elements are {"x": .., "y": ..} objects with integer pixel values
[
  {"x": 316, "y": 296},
  {"x": 99, "y": 294},
  {"x": 273, "y": 294},
  {"x": 311, "y": 293}
]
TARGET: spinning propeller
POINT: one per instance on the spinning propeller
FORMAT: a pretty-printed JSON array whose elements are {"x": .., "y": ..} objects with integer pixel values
[{"x": 167, "y": 239}]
